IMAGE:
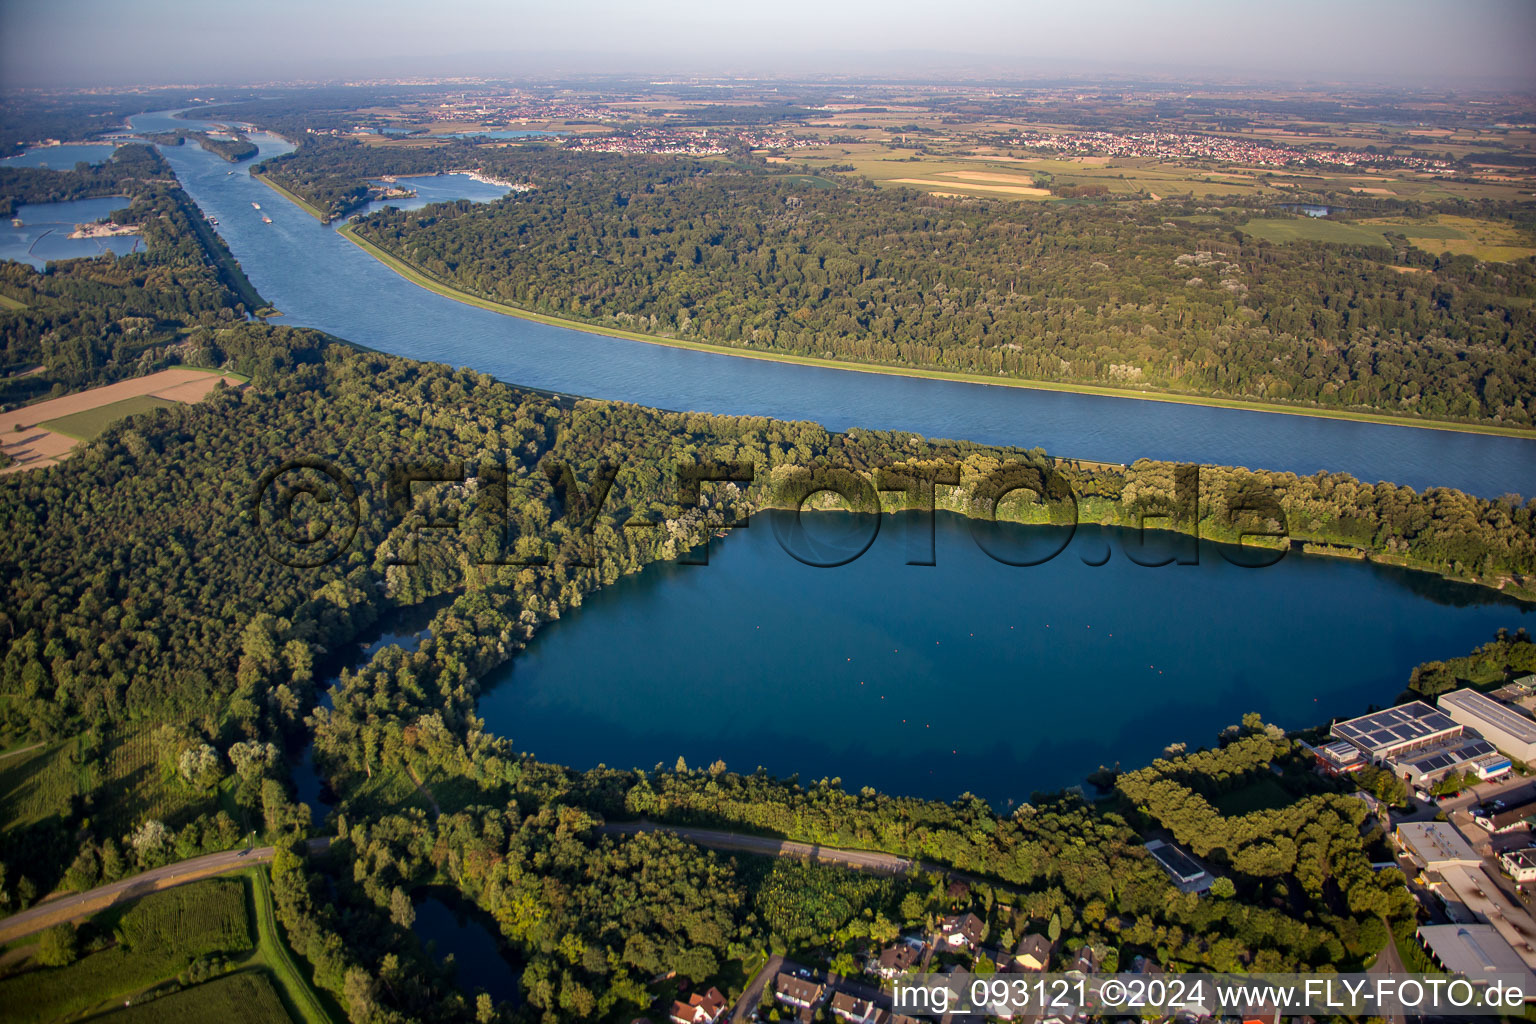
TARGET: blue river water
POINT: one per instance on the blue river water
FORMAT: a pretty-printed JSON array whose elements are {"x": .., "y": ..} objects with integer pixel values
[{"x": 319, "y": 279}]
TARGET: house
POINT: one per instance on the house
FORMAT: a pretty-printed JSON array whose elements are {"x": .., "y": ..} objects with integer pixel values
[
  {"x": 705, "y": 1008},
  {"x": 1088, "y": 961},
  {"x": 894, "y": 961},
  {"x": 962, "y": 931},
  {"x": 1031, "y": 956},
  {"x": 797, "y": 991},
  {"x": 1498, "y": 816},
  {"x": 849, "y": 1007},
  {"x": 1521, "y": 864}
]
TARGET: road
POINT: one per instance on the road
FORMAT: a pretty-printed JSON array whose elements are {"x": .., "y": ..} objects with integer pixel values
[
  {"x": 753, "y": 996},
  {"x": 866, "y": 860},
  {"x": 1388, "y": 962},
  {"x": 80, "y": 905}
]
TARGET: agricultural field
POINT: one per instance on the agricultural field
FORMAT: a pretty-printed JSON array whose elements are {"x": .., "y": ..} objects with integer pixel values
[
  {"x": 85, "y": 425},
  {"x": 37, "y": 783},
  {"x": 133, "y": 788},
  {"x": 156, "y": 938},
  {"x": 244, "y": 996},
  {"x": 1460, "y": 236},
  {"x": 31, "y": 436}
]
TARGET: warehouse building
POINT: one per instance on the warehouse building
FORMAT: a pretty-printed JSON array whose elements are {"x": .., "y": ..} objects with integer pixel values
[
  {"x": 1503, "y": 726},
  {"x": 1465, "y": 753},
  {"x": 1435, "y": 845},
  {"x": 1393, "y": 732},
  {"x": 1476, "y": 951}
]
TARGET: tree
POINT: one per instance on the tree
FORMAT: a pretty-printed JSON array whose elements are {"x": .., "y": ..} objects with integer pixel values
[
  {"x": 1223, "y": 888},
  {"x": 401, "y": 910},
  {"x": 56, "y": 947}
]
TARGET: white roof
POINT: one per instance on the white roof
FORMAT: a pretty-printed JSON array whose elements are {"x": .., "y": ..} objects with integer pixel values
[
  {"x": 1486, "y": 709},
  {"x": 1437, "y": 843},
  {"x": 1475, "y": 950}
]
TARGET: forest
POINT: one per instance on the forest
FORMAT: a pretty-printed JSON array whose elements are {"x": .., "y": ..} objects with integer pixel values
[
  {"x": 163, "y": 640},
  {"x": 1092, "y": 293}
]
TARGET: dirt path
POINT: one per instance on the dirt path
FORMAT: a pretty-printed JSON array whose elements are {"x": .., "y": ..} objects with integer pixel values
[{"x": 866, "y": 860}]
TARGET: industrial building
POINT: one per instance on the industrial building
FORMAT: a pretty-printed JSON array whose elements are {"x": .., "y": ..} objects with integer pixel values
[
  {"x": 1468, "y": 752},
  {"x": 1505, "y": 815},
  {"x": 1185, "y": 871},
  {"x": 1340, "y": 757},
  {"x": 1505, "y": 727},
  {"x": 1393, "y": 732},
  {"x": 1476, "y": 951},
  {"x": 1435, "y": 845}
]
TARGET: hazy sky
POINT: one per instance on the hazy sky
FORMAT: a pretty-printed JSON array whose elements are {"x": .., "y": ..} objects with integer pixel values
[{"x": 1428, "y": 42}]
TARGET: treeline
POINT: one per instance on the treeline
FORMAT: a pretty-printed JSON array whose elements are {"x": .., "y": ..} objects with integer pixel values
[
  {"x": 32, "y": 117},
  {"x": 1082, "y": 293},
  {"x": 1507, "y": 655}
]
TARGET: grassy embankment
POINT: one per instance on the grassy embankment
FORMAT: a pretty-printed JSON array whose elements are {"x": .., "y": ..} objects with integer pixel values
[
  {"x": 292, "y": 197},
  {"x": 416, "y": 276}
]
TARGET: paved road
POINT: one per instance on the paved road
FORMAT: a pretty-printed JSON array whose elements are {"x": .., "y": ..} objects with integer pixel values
[
  {"x": 867, "y": 860},
  {"x": 1388, "y": 962},
  {"x": 753, "y": 996},
  {"x": 78, "y": 906}
]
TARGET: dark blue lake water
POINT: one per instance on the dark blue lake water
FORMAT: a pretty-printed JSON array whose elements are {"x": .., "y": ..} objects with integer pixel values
[
  {"x": 61, "y": 158},
  {"x": 475, "y": 949},
  {"x": 971, "y": 674}
]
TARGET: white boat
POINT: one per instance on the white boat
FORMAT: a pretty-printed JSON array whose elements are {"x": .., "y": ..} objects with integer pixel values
[
  {"x": 265, "y": 219},
  {"x": 255, "y": 206}
]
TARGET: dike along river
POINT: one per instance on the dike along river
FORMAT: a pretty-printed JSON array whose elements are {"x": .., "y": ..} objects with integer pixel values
[{"x": 319, "y": 279}]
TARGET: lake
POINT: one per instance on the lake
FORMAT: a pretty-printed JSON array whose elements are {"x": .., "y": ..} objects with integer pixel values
[
  {"x": 44, "y": 234},
  {"x": 1310, "y": 209},
  {"x": 467, "y": 933},
  {"x": 61, "y": 158},
  {"x": 319, "y": 279},
  {"x": 435, "y": 188},
  {"x": 969, "y": 675}
]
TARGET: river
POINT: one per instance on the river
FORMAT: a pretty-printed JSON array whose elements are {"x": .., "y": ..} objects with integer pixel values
[{"x": 319, "y": 279}]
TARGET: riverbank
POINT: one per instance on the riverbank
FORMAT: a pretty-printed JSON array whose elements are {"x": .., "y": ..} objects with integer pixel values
[
  {"x": 418, "y": 277},
  {"x": 291, "y": 197}
]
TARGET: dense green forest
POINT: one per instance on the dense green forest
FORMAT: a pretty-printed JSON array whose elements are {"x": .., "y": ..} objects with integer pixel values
[
  {"x": 234, "y": 150},
  {"x": 1092, "y": 293}
]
